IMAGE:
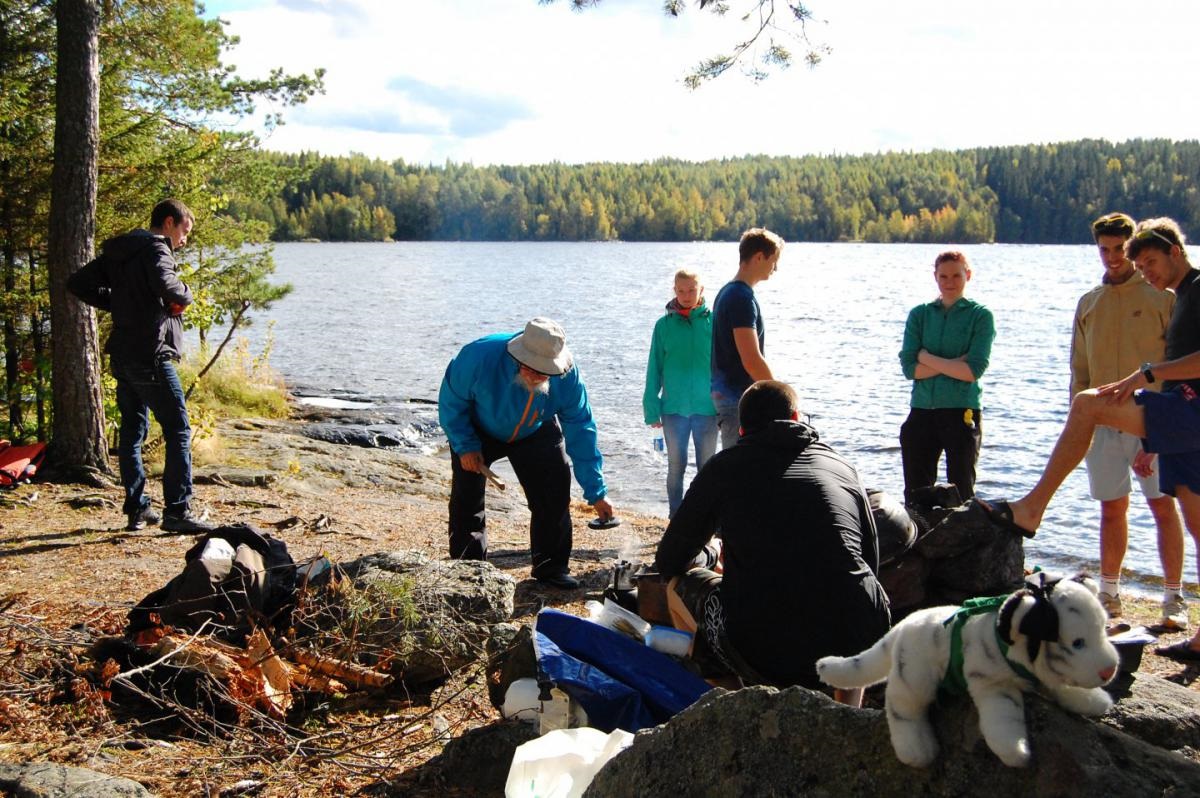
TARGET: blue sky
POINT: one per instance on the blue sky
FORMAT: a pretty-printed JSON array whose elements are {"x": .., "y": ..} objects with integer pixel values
[{"x": 512, "y": 81}]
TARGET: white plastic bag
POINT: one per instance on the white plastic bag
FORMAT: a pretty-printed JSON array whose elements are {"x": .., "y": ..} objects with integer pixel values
[{"x": 562, "y": 763}]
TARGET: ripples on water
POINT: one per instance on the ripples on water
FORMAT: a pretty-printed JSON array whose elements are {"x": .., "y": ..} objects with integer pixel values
[{"x": 384, "y": 319}]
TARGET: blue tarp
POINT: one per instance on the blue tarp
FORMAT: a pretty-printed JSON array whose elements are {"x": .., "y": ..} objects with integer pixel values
[{"x": 619, "y": 682}]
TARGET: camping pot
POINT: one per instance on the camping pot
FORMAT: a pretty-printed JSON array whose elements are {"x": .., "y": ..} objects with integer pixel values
[
  {"x": 623, "y": 576},
  {"x": 621, "y": 589}
]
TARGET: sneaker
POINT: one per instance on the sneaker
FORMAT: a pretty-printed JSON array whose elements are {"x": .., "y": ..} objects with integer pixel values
[
  {"x": 1175, "y": 613},
  {"x": 142, "y": 518},
  {"x": 189, "y": 522},
  {"x": 1111, "y": 603}
]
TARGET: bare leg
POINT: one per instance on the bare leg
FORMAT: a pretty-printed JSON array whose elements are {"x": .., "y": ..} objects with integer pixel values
[
  {"x": 1087, "y": 412},
  {"x": 682, "y": 618},
  {"x": 1170, "y": 537},
  {"x": 1189, "y": 503},
  {"x": 1114, "y": 535},
  {"x": 852, "y": 697}
]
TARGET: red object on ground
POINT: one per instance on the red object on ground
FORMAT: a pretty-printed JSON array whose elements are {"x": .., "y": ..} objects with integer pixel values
[{"x": 19, "y": 462}]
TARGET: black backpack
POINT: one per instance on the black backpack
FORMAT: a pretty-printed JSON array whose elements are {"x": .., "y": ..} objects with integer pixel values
[{"x": 256, "y": 587}]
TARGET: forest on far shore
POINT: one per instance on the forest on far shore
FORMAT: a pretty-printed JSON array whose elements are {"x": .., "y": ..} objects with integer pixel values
[{"x": 1029, "y": 194}]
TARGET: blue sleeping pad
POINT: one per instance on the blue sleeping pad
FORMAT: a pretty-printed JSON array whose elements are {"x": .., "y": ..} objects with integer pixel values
[{"x": 620, "y": 683}]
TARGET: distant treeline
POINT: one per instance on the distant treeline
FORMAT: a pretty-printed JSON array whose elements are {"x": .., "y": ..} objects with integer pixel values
[{"x": 1043, "y": 194}]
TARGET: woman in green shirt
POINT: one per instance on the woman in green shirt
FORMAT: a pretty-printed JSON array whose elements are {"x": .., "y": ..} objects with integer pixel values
[
  {"x": 947, "y": 343},
  {"x": 678, "y": 394}
]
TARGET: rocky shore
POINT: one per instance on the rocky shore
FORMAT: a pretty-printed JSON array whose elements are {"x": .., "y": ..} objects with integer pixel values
[{"x": 70, "y": 571}]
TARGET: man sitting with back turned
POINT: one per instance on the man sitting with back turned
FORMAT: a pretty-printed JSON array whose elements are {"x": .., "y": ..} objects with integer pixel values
[
  {"x": 505, "y": 395},
  {"x": 800, "y": 551}
]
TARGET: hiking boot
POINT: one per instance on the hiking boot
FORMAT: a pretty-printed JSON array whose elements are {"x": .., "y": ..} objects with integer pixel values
[
  {"x": 1111, "y": 603},
  {"x": 1175, "y": 613},
  {"x": 188, "y": 522},
  {"x": 560, "y": 581},
  {"x": 142, "y": 518}
]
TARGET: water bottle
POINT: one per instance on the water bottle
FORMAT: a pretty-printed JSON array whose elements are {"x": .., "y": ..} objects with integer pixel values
[{"x": 660, "y": 445}]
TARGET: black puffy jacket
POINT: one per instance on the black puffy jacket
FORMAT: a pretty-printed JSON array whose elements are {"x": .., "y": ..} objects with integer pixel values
[
  {"x": 134, "y": 278},
  {"x": 800, "y": 550}
]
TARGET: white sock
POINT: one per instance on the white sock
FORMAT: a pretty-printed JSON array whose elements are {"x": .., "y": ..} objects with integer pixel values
[
  {"x": 1110, "y": 585},
  {"x": 1172, "y": 592}
]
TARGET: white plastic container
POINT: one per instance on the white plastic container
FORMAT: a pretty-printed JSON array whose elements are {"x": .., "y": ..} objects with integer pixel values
[
  {"x": 561, "y": 712},
  {"x": 521, "y": 701},
  {"x": 675, "y": 642}
]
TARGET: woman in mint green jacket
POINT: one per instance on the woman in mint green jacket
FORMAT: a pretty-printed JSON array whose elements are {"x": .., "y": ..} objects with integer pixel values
[
  {"x": 678, "y": 394},
  {"x": 947, "y": 344}
]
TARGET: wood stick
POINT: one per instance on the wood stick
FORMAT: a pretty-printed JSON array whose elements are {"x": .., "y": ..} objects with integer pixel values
[
  {"x": 196, "y": 655},
  {"x": 277, "y": 687},
  {"x": 316, "y": 681},
  {"x": 492, "y": 478},
  {"x": 350, "y": 671},
  {"x": 164, "y": 652}
]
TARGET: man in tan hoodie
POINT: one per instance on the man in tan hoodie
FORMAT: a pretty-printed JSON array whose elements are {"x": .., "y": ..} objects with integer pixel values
[{"x": 1119, "y": 325}]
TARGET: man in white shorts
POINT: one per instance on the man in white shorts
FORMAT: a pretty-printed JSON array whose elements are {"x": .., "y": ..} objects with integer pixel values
[{"x": 1119, "y": 325}]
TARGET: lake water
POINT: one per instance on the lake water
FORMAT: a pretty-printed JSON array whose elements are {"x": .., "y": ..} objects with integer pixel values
[{"x": 382, "y": 320}]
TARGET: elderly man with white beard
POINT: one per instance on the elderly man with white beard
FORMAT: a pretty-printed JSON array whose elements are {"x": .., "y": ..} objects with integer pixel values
[{"x": 520, "y": 396}]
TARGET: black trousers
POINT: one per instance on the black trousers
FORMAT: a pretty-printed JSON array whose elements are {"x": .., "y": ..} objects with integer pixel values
[
  {"x": 540, "y": 462},
  {"x": 928, "y": 433}
]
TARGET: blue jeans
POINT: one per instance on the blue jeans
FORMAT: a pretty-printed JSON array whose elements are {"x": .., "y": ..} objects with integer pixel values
[
  {"x": 727, "y": 419},
  {"x": 676, "y": 430},
  {"x": 153, "y": 388}
]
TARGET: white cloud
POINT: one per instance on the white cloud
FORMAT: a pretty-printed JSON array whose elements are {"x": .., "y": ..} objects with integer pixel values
[{"x": 512, "y": 81}]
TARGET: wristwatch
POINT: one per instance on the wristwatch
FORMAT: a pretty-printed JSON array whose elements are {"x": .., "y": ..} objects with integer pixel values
[{"x": 1147, "y": 373}]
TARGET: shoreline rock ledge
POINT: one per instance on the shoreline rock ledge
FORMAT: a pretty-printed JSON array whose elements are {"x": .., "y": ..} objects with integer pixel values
[{"x": 763, "y": 741}]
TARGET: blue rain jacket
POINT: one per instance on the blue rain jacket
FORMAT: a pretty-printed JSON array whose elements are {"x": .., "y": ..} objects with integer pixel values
[{"x": 480, "y": 393}]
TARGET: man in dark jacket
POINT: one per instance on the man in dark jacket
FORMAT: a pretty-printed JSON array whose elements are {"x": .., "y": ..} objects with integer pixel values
[
  {"x": 135, "y": 279},
  {"x": 799, "y": 548}
]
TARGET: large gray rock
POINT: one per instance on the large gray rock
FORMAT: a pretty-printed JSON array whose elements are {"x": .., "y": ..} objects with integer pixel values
[
  {"x": 481, "y": 758},
  {"x": 1158, "y": 711},
  {"x": 441, "y": 614},
  {"x": 372, "y": 436},
  {"x": 510, "y": 656},
  {"x": 46, "y": 780},
  {"x": 763, "y": 742}
]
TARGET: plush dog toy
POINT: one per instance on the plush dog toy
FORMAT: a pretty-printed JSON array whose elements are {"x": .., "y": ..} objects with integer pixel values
[{"x": 1049, "y": 636}]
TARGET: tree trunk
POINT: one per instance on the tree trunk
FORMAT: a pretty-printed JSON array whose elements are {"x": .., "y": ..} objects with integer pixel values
[
  {"x": 37, "y": 320},
  {"x": 12, "y": 346},
  {"x": 78, "y": 444}
]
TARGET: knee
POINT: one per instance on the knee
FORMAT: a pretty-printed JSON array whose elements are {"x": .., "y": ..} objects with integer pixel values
[
  {"x": 1086, "y": 404},
  {"x": 179, "y": 436},
  {"x": 1163, "y": 509},
  {"x": 1114, "y": 509}
]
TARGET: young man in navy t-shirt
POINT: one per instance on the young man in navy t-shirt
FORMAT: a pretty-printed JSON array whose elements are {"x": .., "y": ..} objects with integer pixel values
[{"x": 738, "y": 330}]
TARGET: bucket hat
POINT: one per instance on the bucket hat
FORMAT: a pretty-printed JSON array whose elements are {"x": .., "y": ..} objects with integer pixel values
[{"x": 542, "y": 347}]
